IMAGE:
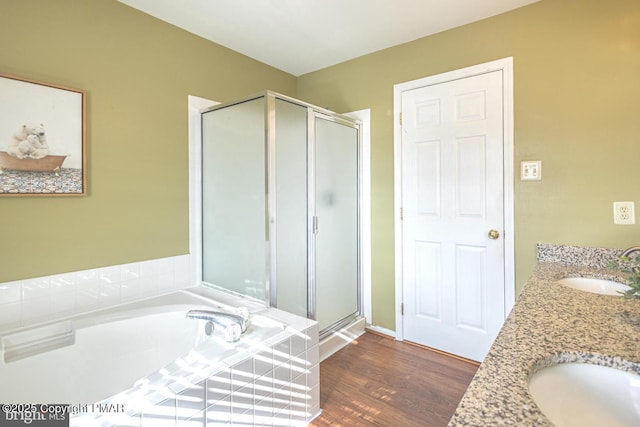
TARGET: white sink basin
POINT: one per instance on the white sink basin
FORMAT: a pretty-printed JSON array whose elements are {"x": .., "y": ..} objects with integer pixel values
[
  {"x": 596, "y": 286},
  {"x": 583, "y": 395}
]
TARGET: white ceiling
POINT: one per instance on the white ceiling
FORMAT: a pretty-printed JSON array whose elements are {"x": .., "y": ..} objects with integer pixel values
[{"x": 300, "y": 36}]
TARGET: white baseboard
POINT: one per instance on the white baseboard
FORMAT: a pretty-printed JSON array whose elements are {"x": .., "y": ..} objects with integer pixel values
[{"x": 381, "y": 330}]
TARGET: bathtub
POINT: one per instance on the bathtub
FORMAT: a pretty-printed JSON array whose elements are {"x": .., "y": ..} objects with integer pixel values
[{"x": 145, "y": 363}]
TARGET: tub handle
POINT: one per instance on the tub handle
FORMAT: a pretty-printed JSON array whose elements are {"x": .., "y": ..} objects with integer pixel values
[{"x": 229, "y": 321}]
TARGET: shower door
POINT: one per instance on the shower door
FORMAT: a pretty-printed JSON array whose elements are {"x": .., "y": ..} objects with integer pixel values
[{"x": 335, "y": 223}]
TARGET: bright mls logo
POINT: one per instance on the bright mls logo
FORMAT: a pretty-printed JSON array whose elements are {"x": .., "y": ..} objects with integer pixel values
[{"x": 34, "y": 415}]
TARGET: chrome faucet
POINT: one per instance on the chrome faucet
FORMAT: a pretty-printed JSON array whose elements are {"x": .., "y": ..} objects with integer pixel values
[
  {"x": 234, "y": 324},
  {"x": 629, "y": 251}
]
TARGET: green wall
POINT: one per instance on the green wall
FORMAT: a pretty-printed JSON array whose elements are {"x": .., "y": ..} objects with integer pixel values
[
  {"x": 577, "y": 109},
  {"x": 137, "y": 72}
]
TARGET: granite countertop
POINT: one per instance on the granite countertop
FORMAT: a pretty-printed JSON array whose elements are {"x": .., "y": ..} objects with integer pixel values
[{"x": 549, "y": 324}]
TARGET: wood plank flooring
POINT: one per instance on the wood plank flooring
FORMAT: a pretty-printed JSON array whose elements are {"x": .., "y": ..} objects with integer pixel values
[{"x": 378, "y": 381}]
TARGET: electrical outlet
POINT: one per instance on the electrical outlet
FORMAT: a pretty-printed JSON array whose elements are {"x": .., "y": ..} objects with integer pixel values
[{"x": 624, "y": 213}]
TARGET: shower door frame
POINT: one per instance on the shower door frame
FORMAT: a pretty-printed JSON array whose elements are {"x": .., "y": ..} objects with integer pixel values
[{"x": 313, "y": 112}]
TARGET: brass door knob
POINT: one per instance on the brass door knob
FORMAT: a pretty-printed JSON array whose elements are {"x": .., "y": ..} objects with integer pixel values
[{"x": 493, "y": 234}]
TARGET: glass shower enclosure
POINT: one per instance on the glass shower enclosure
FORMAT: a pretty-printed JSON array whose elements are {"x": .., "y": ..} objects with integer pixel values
[{"x": 280, "y": 206}]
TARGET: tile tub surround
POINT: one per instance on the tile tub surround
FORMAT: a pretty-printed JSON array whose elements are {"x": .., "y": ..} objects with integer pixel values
[
  {"x": 31, "y": 301},
  {"x": 551, "y": 323},
  {"x": 274, "y": 382}
]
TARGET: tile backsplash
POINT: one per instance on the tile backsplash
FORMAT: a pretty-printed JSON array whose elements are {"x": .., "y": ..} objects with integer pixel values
[{"x": 30, "y": 301}]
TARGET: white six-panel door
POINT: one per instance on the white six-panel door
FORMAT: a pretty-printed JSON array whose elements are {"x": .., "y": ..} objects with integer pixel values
[{"x": 453, "y": 214}]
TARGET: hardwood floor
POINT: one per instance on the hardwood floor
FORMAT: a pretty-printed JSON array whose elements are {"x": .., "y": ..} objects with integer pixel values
[{"x": 377, "y": 381}]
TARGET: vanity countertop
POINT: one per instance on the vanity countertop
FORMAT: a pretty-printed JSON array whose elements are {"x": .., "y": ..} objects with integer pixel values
[{"x": 554, "y": 323}]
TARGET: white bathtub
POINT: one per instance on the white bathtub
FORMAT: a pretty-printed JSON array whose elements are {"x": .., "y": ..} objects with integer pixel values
[{"x": 143, "y": 358}]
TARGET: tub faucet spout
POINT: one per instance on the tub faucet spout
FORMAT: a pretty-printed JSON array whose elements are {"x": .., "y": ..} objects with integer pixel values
[
  {"x": 234, "y": 325},
  {"x": 630, "y": 250}
]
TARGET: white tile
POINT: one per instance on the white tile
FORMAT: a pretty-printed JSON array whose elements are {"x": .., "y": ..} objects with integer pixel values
[
  {"x": 197, "y": 420},
  {"x": 263, "y": 362},
  {"x": 87, "y": 298},
  {"x": 313, "y": 378},
  {"x": 242, "y": 402},
  {"x": 148, "y": 268},
  {"x": 36, "y": 288},
  {"x": 110, "y": 275},
  {"x": 282, "y": 399},
  {"x": 241, "y": 375},
  {"x": 10, "y": 314},
  {"x": 299, "y": 364},
  {"x": 148, "y": 285},
  {"x": 10, "y": 292},
  {"x": 299, "y": 403},
  {"x": 299, "y": 412},
  {"x": 299, "y": 383},
  {"x": 184, "y": 272},
  {"x": 130, "y": 290},
  {"x": 282, "y": 352},
  {"x": 130, "y": 271},
  {"x": 298, "y": 344},
  {"x": 263, "y": 387},
  {"x": 63, "y": 304},
  {"x": 183, "y": 265},
  {"x": 112, "y": 419},
  {"x": 190, "y": 402},
  {"x": 263, "y": 413},
  {"x": 182, "y": 281},
  {"x": 219, "y": 414},
  {"x": 62, "y": 283},
  {"x": 282, "y": 418},
  {"x": 156, "y": 419},
  {"x": 281, "y": 316},
  {"x": 282, "y": 375},
  {"x": 86, "y": 278},
  {"x": 313, "y": 355},
  {"x": 165, "y": 281},
  {"x": 109, "y": 294},
  {"x": 165, "y": 265},
  {"x": 314, "y": 403},
  {"x": 219, "y": 386},
  {"x": 313, "y": 334},
  {"x": 35, "y": 310}
]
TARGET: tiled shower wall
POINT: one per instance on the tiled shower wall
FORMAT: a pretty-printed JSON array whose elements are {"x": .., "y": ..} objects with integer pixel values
[{"x": 30, "y": 301}]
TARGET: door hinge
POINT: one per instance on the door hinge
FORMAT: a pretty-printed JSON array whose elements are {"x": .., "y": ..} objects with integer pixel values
[
  {"x": 401, "y": 214},
  {"x": 402, "y": 308},
  {"x": 315, "y": 225},
  {"x": 400, "y": 118}
]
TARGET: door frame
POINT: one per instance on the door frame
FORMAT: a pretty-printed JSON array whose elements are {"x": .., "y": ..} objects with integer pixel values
[{"x": 506, "y": 66}]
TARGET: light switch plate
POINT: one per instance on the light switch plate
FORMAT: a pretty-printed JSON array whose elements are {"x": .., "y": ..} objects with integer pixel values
[{"x": 531, "y": 170}]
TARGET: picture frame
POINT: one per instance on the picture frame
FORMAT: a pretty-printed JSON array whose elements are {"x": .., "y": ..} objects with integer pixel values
[{"x": 42, "y": 139}]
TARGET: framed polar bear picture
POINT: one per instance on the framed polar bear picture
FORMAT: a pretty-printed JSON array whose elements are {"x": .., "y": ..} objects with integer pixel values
[{"x": 42, "y": 139}]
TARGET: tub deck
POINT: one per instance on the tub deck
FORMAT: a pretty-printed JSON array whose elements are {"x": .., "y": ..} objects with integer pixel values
[{"x": 148, "y": 361}]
